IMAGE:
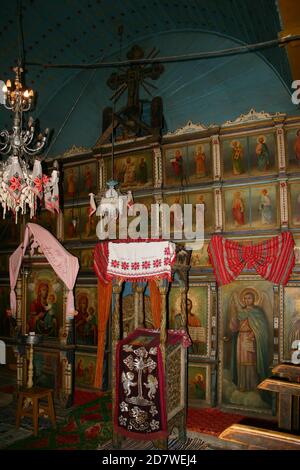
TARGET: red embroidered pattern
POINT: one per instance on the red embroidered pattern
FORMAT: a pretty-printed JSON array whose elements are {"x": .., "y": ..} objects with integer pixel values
[
  {"x": 38, "y": 184},
  {"x": 135, "y": 265},
  {"x": 15, "y": 184},
  {"x": 138, "y": 268},
  {"x": 146, "y": 265}
]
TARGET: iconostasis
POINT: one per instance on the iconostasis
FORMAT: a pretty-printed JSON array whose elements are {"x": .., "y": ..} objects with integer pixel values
[{"x": 246, "y": 173}]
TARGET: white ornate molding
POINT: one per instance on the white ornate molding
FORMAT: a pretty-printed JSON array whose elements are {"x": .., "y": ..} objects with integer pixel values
[
  {"x": 280, "y": 147},
  {"x": 253, "y": 115},
  {"x": 216, "y": 155},
  {"x": 189, "y": 128},
  {"x": 74, "y": 150},
  {"x": 218, "y": 209},
  {"x": 284, "y": 215},
  {"x": 157, "y": 167},
  {"x": 102, "y": 175}
]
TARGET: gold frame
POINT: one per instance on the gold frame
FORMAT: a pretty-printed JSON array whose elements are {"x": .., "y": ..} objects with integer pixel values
[
  {"x": 84, "y": 354},
  {"x": 238, "y": 134},
  {"x": 188, "y": 143},
  {"x": 220, "y": 367},
  {"x": 291, "y": 183},
  {"x": 282, "y": 317},
  {"x": 194, "y": 402},
  {"x": 255, "y": 185},
  {"x": 78, "y": 286},
  {"x": 33, "y": 264},
  {"x": 136, "y": 151}
]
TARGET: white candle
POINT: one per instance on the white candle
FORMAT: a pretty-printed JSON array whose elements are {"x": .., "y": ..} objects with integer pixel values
[{"x": 32, "y": 333}]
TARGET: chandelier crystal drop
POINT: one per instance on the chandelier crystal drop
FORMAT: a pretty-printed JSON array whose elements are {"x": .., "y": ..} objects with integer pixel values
[
  {"x": 22, "y": 182},
  {"x": 113, "y": 203}
]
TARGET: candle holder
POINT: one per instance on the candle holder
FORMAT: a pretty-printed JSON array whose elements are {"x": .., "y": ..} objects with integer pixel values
[{"x": 32, "y": 340}]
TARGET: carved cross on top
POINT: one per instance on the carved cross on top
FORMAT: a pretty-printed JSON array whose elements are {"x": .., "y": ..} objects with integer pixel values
[
  {"x": 134, "y": 76},
  {"x": 131, "y": 118}
]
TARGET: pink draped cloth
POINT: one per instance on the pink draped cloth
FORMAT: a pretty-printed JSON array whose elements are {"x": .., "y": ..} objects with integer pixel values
[{"x": 63, "y": 263}]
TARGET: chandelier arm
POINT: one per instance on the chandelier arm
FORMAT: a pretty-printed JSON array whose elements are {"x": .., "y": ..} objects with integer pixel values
[
  {"x": 4, "y": 133},
  {"x": 35, "y": 151},
  {"x": 26, "y": 108},
  {"x": 27, "y": 139},
  {"x": 8, "y": 107},
  {"x": 5, "y": 150}
]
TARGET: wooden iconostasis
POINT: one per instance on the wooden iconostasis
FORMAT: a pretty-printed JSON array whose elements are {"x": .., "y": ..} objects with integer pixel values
[{"x": 246, "y": 173}]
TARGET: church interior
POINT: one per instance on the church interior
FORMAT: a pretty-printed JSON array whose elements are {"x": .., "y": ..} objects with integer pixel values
[{"x": 150, "y": 225}]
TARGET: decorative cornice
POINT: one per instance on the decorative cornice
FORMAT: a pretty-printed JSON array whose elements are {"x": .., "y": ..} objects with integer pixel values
[
  {"x": 189, "y": 128},
  {"x": 253, "y": 115},
  {"x": 74, "y": 150}
]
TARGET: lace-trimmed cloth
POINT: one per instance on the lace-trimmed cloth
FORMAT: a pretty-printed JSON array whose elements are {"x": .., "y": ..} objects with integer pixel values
[{"x": 138, "y": 260}]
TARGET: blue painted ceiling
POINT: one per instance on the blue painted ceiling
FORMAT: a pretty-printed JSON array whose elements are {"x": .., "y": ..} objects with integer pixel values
[{"x": 71, "y": 101}]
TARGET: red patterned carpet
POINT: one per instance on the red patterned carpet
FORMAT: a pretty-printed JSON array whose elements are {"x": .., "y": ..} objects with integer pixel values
[
  {"x": 81, "y": 396},
  {"x": 214, "y": 421},
  {"x": 203, "y": 420},
  {"x": 92, "y": 411},
  {"x": 210, "y": 420}
]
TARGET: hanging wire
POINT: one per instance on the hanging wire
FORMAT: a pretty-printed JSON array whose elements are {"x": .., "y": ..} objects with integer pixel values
[
  {"x": 178, "y": 58},
  {"x": 21, "y": 46},
  {"x": 113, "y": 141},
  {"x": 70, "y": 112},
  {"x": 120, "y": 33}
]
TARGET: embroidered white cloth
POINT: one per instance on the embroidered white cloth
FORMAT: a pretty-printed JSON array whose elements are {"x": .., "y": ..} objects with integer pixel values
[{"x": 141, "y": 260}]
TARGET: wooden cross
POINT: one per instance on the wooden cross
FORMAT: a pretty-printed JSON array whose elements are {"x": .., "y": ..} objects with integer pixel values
[{"x": 134, "y": 76}]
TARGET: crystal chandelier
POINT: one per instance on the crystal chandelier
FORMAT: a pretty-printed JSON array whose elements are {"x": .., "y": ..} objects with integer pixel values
[
  {"x": 112, "y": 203},
  {"x": 22, "y": 182}
]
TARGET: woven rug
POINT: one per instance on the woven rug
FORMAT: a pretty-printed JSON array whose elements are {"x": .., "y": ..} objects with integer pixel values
[
  {"x": 9, "y": 435},
  {"x": 86, "y": 426},
  {"x": 173, "y": 444}
]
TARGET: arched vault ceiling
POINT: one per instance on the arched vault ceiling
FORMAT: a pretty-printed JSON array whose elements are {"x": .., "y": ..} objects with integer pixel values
[{"x": 84, "y": 31}]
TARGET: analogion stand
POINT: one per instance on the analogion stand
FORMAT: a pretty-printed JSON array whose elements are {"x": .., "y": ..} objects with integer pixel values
[{"x": 175, "y": 371}]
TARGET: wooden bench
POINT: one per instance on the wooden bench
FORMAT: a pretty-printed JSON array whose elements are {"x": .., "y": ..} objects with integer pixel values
[
  {"x": 254, "y": 438},
  {"x": 288, "y": 405}
]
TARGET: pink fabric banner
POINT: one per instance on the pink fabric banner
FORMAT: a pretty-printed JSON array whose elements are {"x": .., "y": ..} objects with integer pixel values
[{"x": 63, "y": 263}]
